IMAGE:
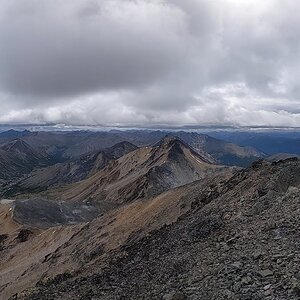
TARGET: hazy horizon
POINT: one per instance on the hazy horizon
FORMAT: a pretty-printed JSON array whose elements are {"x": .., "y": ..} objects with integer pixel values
[{"x": 99, "y": 128}]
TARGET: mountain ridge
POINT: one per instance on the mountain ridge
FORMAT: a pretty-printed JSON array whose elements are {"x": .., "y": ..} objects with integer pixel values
[
  {"x": 70, "y": 171},
  {"x": 143, "y": 172},
  {"x": 225, "y": 230},
  {"x": 64, "y": 146}
]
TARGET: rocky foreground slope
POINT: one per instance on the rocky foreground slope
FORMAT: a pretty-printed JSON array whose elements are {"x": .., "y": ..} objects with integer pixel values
[{"x": 231, "y": 236}]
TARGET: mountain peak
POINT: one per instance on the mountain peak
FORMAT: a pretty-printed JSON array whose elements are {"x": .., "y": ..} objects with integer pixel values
[
  {"x": 146, "y": 172},
  {"x": 16, "y": 144},
  {"x": 169, "y": 140},
  {"x": 124, "y": 144},
  {"x": 177, "y": 148}
]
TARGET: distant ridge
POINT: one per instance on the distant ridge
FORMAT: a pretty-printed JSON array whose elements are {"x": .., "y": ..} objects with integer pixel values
[
  {"x": 145, "y": 172},
  {"x": 62, "y": 146},
  {"x": 70, "y": 171}
]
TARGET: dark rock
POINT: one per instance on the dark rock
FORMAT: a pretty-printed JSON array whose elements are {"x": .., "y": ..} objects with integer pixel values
[
  {"x": 23, "y": 235},
  {"x": 3, "y": 237},
  {"x": 206, "y": 226}
]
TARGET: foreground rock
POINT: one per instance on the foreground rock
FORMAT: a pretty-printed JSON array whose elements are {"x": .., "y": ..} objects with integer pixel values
[{"x": 238, "y": 238}]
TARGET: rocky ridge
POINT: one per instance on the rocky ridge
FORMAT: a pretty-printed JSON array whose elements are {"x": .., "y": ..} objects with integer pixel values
[{"x": 238, "y": 239}]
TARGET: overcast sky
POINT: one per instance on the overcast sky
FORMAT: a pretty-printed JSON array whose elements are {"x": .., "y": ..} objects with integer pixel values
[{"x": 146, "y": 62}]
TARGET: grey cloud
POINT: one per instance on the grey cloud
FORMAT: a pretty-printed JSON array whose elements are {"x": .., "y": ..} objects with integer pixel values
[
  {"x": 70, "y": 51},
  {"x": 155, "y": 61}
]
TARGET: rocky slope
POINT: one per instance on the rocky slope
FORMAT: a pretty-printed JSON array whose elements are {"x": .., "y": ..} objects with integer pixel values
[
  {"x": 64, "y": 249},
  {"x": 233, "y": 236},
  {"x": 158, "y": 222}
]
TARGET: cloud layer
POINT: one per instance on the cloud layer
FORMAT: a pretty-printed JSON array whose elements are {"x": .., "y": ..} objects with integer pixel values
[{"x": 226, "y": 62}]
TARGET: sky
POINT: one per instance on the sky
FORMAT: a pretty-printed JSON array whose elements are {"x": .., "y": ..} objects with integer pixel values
[{"x": 150, "y": 62}]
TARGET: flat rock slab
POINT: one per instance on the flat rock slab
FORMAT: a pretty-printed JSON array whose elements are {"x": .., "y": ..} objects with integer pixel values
[{"x": 266, "y": 273}]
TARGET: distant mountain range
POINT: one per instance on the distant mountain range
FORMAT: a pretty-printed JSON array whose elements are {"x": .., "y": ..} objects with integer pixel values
[
  {"x": 269, "y": 142},
  {"x": 65, "y": 145},
  {"x": 70, "y": 171},
  {"x": 38, "y": 161}
]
